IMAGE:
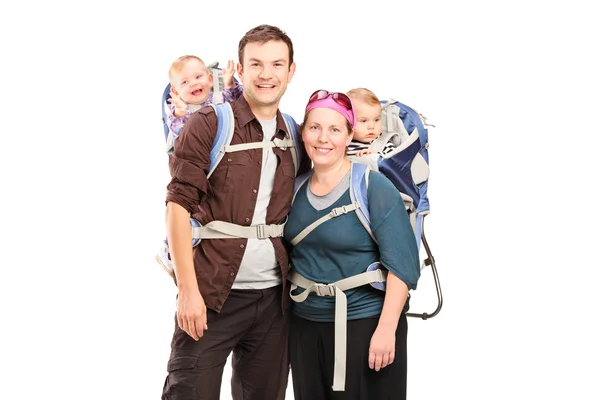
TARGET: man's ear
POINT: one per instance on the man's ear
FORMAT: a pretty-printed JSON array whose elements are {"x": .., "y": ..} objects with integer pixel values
[
  {"x": 292, "y": 71},
  {"x": 240, "y": 70}
]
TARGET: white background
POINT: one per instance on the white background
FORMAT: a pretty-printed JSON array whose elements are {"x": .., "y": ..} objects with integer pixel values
[{"x": 512, "y": 88}]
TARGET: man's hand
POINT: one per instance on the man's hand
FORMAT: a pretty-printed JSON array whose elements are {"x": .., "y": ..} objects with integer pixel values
[
  {"x": 228, "y": 72},
  {"x": 180, "y": 106},
  {"x": 191, "y": 313}
]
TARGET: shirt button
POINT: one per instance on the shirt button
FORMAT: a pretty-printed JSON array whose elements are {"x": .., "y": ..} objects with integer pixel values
[
  {"x": 231, "y": 274},
  {"x": 229, "y": 160},
  {"x": 260, "y": 162},
  {"x": 241, "y": 246},
  {"x": 247, "y": 219},
  {"x": 254, "y": 190}
]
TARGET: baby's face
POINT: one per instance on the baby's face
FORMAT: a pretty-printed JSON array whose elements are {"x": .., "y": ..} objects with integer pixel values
[
  {"x": 194, "y": 82},
  {"x": 368, "y": 121}
]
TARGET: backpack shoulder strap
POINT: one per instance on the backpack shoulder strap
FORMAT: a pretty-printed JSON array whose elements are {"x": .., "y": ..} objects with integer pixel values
[
  {"x": 165, "y": 110},
  {"x": 359, "y": 185},
  {"x": 359, "y": 181},
  {"x": 292, "y": 128},
  {"x": 392, "y": 127},
  {"x": 225, "y": 128},
  {"x": 299, "y": 182}
]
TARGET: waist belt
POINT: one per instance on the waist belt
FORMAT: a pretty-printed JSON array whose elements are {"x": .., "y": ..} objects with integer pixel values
[
  {"x": 224, "y": 230},
  {"x": 341, "y": 310}
]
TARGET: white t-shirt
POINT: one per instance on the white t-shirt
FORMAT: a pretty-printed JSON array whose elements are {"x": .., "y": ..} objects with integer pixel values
[{"x": 259, "y": 268}]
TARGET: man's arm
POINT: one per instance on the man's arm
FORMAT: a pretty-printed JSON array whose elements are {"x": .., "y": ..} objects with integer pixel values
[
  {"x": 191, "y": 310},
  {"x": 190, "y": 160},
  {"x": 189, "y": 164}
]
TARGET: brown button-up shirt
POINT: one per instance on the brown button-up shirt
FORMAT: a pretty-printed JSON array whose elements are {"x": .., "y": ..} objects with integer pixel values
[{"x": 229, "y": 194}]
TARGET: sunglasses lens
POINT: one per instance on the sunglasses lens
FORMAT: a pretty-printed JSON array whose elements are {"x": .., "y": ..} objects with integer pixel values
[
  {"x": 339, "y": 98},
  {"x": 342, "y": 100},
  {"x": 318, "y": 95}
]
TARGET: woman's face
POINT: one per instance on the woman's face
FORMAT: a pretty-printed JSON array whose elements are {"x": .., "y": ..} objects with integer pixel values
[{"x": 326, "y": 136}]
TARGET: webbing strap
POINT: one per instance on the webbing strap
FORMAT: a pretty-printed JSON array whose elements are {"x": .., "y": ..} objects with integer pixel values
[
  {"x": 281, "y": 143},
  {"x": 225, "y": 230},
  {"x": 340, "y": 325},
  {"x": 292, "y": 129},
  {"x": 169, "y": 147},
  {"x": 336, "y": 212},
  {"x": 339, "y": 346},
  {"x": 322, "y": 289}
]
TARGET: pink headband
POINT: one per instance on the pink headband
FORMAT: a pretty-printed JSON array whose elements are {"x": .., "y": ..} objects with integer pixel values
[{"x": 336, "y": 105}]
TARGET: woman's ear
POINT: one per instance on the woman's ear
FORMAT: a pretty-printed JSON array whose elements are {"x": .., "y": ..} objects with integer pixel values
[{"x": 350, "y": 136}]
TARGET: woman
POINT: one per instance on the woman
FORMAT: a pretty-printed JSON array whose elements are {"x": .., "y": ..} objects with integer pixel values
[{"x": 375, "y": 352}]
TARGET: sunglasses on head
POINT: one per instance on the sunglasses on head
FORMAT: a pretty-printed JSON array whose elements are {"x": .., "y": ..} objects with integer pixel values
[{"x": 339, "y": 98}]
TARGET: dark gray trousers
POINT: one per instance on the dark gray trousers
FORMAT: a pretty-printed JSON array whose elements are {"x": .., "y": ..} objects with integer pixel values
[{"x": 253, "y": 327}]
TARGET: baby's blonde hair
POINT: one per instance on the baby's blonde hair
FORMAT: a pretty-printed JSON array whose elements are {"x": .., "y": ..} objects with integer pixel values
[
  {"x": 178, "y": 64},
  {"x": 364, "y": 95}
]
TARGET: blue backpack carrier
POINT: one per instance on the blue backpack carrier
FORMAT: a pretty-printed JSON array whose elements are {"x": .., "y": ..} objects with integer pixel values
[{"x": 407, "y": 167}]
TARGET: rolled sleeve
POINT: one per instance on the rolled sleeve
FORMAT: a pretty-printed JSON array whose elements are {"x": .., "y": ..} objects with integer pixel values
[{"x": 190, "y": 160}]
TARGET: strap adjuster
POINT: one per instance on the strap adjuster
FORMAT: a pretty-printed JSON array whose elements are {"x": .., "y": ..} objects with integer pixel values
[
  {"x": 261, "y": 232},
  {"x": 325, "y": 290},
  {"x": 264, "y": 231},
  {"x": 336, "y": 212},
  {"x": 282, "y": 144}
]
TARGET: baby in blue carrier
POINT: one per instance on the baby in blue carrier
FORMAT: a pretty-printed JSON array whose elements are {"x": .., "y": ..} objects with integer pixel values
[
  {"x": 192, "y": 86},
  {"x": 367, "y": 137}
]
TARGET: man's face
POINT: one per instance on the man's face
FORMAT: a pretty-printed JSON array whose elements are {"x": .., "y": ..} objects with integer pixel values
[{"x": 265, "y": 72}]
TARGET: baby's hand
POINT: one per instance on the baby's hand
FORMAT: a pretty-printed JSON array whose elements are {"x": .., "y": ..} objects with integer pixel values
[
  {"x": 228, "y": 72},
  {"x": 363, "y": 152},
  {"x": 180, "y": 106}
]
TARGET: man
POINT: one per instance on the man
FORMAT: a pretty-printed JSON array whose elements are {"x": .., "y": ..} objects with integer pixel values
[{"x": 231, "y": 294}]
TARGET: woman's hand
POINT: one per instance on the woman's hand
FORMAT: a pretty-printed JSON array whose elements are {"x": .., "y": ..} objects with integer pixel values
[{"x": 383, "y": 347}]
